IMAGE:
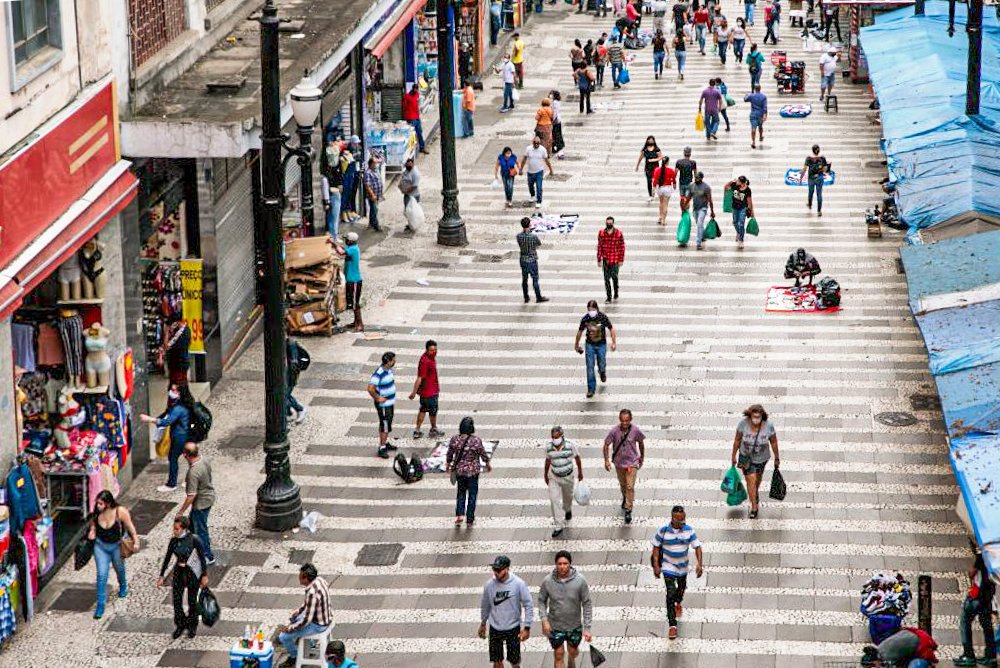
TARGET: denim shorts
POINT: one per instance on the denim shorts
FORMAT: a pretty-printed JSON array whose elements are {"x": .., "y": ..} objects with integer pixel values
[
  {"x": 755, "y": 469},
  {"x": 429, "y": 405},
  {"x": 756, "y": 121},
  {"x": 685, "y": 189},
  {"x": 828, "y": 80}
]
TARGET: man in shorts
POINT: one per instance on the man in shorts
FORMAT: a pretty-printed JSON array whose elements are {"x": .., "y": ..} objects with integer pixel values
[
  {"x": 563, "y": 596},
  {"x": 382, "y": 389},
  {"x": 686, "y": 168},
  {"x": 427, "y": 387},
  {"x": 506, "y": 607},
  {"x": 758, "y": 114}
]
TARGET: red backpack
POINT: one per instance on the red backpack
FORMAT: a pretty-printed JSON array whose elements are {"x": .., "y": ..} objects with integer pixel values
[{"x": 927, "y": 646}]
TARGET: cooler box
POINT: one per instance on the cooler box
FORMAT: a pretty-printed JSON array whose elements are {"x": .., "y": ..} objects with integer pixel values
[
  {"x": 245, "y": 657},
  {"x": 456, "y": 112}
]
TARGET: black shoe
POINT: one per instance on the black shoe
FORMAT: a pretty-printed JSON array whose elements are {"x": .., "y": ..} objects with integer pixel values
[
  {"x": 628, "y": 517},
  {"x": 177, "y": 633},
  {"x": 604, "y": 377},
  {"x": 527, "y": 300},
  {"x": 557, "y": 533},
  {"x": 590, "y": 395},
  {"x": 569, "y": 515},
  {"x": 192, "y": 632},
  {"x": 608, "y": 300},
  {"x": 623, "y": 503},
  {"x": 389, "y": 445},
  {"x": 383, "y": 453},
  {"x": 616, "y": 296},
  {"x": 541, "y": 300},
  {"x": 289, "y": 662}
]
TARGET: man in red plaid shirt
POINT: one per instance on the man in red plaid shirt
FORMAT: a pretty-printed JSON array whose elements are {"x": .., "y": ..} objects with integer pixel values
[{"x": 610, "y": 255}]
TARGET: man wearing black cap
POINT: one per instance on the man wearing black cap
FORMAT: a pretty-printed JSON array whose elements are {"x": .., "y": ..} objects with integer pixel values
[
  {"x": 505, "y": 596},
  {"x": 336, "y": 655}
]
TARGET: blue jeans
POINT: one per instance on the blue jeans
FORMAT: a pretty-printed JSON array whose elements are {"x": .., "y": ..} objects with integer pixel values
[
  {"x": 699, "y": 219},
  {"x": 494, "y": 29},
  {"x": 372, "y": 213},
  {"x": 535, "y": 185},
  {"x": 173, "y": 459},
  {"x": 725, "y": 116},
  {"x": 681, "y": 60},
  {"x": 616, "y": 69},
  {"x": 748, "y": 8},
  {"x": 658, "y": 57},
  {"x": 595, "y": 352},
  {"x": 711, "y": 124},
  {"x": 723, "y": 47},
  {"x": 508, "y": 186},
  {"x": 290, "y": 640},
  {"x": 105, "y": 556},
  {"x": 755, "y": 77},
  {"x": 466, "y": 495},
  {"x": 738, "y": 49},
  {"x": 973, "y": 609},
  {"x": 699, "y": 31},
  {"x": 420, "y": 132},
  {"x": 529, "y": 268},
  {"x": 508, "y": 96},
  {"x": 816, "y": 184},
  {"x": 199, "y": 524},
  {"x": 467, "y": 127},
  {"x": 333, "y": 214},
  {"x": 740, "y": 223}
]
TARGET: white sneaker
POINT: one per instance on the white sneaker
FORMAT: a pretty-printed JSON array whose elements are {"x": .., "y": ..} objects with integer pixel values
[
  {"x": 301, "y": 415},
  {"x": 166, "y": 488},
  {"x": 293, "y": 415}
]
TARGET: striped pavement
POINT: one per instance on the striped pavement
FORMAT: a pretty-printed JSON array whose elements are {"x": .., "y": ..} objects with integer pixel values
[{"x": 695, "y": 348}]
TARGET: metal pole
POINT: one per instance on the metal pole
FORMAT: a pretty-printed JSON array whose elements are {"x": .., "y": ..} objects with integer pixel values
[
  {"x": 279, "y": 507},
  {"x": 924, "y": 590},
  {"x": 451, "y": 227},
  {"x": 974, "y": 26},
  {"x": 306, "y": 181},
  {"x": 918, "y": 8}
]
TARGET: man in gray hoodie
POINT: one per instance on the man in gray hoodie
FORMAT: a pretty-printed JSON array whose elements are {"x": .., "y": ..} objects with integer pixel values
[
  {"x": 561, "y": 598},
  {"x": 504, "y": 597}
]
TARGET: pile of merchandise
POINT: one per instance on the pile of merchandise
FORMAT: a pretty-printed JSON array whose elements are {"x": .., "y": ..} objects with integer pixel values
[
  {"x": 885, "y": 601},
  {"x": 312, "y": 272}
]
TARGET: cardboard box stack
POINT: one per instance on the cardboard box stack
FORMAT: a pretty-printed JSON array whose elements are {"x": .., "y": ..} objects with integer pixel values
[{"x": 312, "y": 272}]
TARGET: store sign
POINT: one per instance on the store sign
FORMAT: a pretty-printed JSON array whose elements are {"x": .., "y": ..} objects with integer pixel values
[
  {"x": 68, "y": 155},
  {"x": 191, "y": 285}
]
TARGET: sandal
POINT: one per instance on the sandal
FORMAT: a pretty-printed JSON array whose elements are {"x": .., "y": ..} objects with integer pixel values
[
  {"x": 458, "y": 521},
  {"x": 753, "y": 514}
]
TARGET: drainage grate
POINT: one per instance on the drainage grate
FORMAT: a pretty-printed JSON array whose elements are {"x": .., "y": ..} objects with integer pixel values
[
  {"x": 388, "y": 260},
  {"x": 896, "y": 419},
  {"x": 379, "y": 554},
  {"x": 480, "y": 257},
  {"x": 432, "y": 265},
  {"x": 243, "y": 441},
  {"x": 925, "y": 402}
]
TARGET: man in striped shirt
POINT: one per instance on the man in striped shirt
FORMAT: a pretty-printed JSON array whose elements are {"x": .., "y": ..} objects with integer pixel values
[
  {"x": 313, "y": 618},
  {"x": 382, "y": 390},
  {"x": 671, "y": 546}
]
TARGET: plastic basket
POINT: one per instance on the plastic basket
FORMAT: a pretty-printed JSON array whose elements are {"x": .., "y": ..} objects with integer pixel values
[{"x": 881, "y": 627}]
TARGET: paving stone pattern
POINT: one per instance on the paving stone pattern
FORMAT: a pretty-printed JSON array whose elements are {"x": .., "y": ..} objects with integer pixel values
[{"x": 695, "y": 348}]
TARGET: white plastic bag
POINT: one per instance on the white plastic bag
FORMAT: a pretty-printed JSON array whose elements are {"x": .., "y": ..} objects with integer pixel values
[
  {"x": 309, "y": 520},
  {"x": 495, "y": 185},
  {"x": 515, "y": 95},
  {"x": 582, "y": 494},
  {"x": 414, "y": 214}
]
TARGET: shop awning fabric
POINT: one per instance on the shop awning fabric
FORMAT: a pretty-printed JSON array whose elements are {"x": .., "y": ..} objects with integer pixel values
[
  {"x": 392, "y": 26},
  {"x": 66, "y": 235}
]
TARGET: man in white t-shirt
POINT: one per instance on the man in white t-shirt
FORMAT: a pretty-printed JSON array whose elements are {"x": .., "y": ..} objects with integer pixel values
[
  {"x": 828, "y": 71},
  {"x": 537, "y": 159},
  {"x": 507, "y": 72}
]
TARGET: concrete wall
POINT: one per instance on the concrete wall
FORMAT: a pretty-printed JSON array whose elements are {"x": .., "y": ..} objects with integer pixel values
[{"x": 28, "y": 107}]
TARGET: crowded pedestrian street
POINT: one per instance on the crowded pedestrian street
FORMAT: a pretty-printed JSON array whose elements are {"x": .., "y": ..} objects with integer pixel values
[{"x": 695, "y": 347}]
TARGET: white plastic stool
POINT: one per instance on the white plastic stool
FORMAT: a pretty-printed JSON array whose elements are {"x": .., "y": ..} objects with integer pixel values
[{"x": 312, "y": 649}]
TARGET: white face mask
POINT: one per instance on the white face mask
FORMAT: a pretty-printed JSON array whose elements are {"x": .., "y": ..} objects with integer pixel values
[
  {"x": 592, "y": 314},
  {"x": 173, "y": 395},
  {"x": 557, "y": 441},
  {"x": 756, "y": 420}
]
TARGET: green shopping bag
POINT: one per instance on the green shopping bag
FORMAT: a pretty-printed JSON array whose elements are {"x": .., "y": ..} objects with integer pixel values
[
  {"x": 737, "y": 497},
  {"x": 730, "y": 102},
  {"x": 684, "y": 229},
  {"x": 752, "y": 227},
  {"x": 727, "y": 200},
  {"x": 712, "y": 230},
  {"x": 731, "y": 480}
]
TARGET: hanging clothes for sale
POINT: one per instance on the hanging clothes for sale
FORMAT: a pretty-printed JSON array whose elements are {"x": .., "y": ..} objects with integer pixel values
[
  {"x": 70, "y": 326},
  {"x": 8, "y": 620},
  {"x": 22, "y": 497},
  {"x": 23, "y": 337},
  {"x": 31, "y": 543}
]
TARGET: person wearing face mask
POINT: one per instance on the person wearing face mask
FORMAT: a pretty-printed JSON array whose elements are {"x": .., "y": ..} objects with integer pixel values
[
  {"x": 801, "y": 265},
  {"x": 565, "y": 609},
  {"x": 625, "y": 448},
  {"x": 742, "y": 206},
  {"x": 177, "y": 418},
  {"x": 650, "y": 157},
  {"x": 189, "y": 574},
  {"x": 610, "y": 256},
  {"x": 752, "y": 447},
  {"x": 596, "y": 325},
  {"x": 508, "y": 72},
  {"x": 426, "y": 385},
  {"x": 560, "y": 456},
  {"x": 536, "y": 157}
]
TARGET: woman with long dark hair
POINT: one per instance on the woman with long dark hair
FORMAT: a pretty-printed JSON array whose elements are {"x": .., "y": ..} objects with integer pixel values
[
  {"x": 506, "y": 170},
  {"x": 649, "y": 156},
  {"x": 177, "y": 418},
  {"x": 752, "y": 447},
  {"x": 109, "y": 524},
  {"x": 465, "y": 452},
  {"x": 664, "y": 182},
  {"x": 558, "y": 144},
  {"x": 190, "y": 574}
]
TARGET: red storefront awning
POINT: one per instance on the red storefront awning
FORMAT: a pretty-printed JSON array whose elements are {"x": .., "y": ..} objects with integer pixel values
[
  {"x": 66, "y": 235},
  {"x": 393, "y": 26}
]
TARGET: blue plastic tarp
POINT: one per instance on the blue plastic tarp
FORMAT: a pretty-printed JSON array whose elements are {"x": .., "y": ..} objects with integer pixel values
[
  {"x": 962, "y": 338},
  {"x": 951, "y": 265},
  {"x": 970, "y": 399},
  {"x": 942, "y": 162},
  {"x": 976, "y": 461}
]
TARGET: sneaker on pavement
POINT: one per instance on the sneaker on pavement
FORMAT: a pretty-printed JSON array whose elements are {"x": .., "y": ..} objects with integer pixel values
[
  {"x": 389, "y": 445},
  {"x": 166, "y": 488},
  {"x": 301, "y": 415},
  {"x": 383, "y": 453},
  {"x": 590, "y": 395},
  {"x": 556, "y": 533},
  {"x": 541, "y": 300},
  {"x": 604, "y": 377},
  {"x": 435, "y": 433},
  {"x": 988, "y": 661},
  {"x": 289, "y": 662},
  {"x": 210, "y": 560},
  {"x": 417, "y": 433},
  {"x": 672, "y": 633},
  {"x": 965, "y": 661},
  {"x": 628, "y": 517},
  {"x": 569, "y": 515}
]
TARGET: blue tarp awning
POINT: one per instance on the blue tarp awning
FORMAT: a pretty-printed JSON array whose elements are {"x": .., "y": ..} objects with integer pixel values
[
  {"x": 976, "y": 460},
  {"x": 943, "y": 163}
]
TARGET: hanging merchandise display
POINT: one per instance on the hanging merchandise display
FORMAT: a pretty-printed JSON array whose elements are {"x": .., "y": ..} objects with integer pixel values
[{"x": 468, "y": 35}]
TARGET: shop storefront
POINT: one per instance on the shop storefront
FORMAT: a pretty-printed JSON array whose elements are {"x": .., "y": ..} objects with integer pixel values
[
  {"x": 862, "y": 14},
  {"x": 66, "y": 371}
]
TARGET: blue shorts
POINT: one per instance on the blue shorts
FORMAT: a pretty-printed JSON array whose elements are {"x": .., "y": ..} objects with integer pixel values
[
  {"x": 756, "y": 121},
  {"x": 827, "y": 82},
  {"x": 685, "y": 189},
  {"x": 429, "y": 405}
]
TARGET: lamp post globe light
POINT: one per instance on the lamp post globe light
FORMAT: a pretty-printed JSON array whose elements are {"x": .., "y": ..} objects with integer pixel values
[{"x": 279, "y": 505}]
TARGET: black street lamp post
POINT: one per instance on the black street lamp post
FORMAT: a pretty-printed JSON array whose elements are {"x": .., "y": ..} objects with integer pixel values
[
  {"x": 451, "y": 227},
  {"x": 279, "y": 506}
]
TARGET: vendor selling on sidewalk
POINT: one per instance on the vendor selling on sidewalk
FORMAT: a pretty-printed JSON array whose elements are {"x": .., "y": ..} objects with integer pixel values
[{"x": 801, "y": 265}]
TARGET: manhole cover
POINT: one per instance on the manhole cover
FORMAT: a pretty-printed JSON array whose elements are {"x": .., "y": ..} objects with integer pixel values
[
  {"x": 379, "y": 554},
  {"x": 388, "y": 260},
  {"x": 925, "y": 402},
  {"x": 894, "y": 419}
]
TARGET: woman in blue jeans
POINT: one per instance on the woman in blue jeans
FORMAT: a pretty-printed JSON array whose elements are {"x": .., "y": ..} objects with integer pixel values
[
  {"x": 506, "y": 170},
  {"x": 108, "y": 526},
  {"x": 465, "y": 452},
  {"x": 177, "y": 417},
  {"x": 742, "y": 206}
]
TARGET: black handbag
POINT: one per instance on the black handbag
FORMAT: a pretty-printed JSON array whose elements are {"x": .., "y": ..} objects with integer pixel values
[
  {"x": 596, "y": 656},
  {"x": 208, "y": 607},
  {"x": 82, "y": 554},
  {"x": 778, "y": 487}
]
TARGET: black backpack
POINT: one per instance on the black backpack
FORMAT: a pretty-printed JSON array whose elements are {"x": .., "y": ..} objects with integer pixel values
[
  {"x": 828, "y": 293},
  {"x": 201, "y": 423},
  {"x": 409, "y": 471},
  {"x": 302, "y": 358}
]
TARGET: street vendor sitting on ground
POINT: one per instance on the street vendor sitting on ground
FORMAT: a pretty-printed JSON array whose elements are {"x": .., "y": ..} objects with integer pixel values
[
  {"x": 801, "y": 265},
  {"x": 907, "y": 648}
]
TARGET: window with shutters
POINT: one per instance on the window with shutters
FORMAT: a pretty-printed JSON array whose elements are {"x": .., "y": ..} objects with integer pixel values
[
  {"x": 154, "y": 24},
  {"x": 34, "y": 38}
]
